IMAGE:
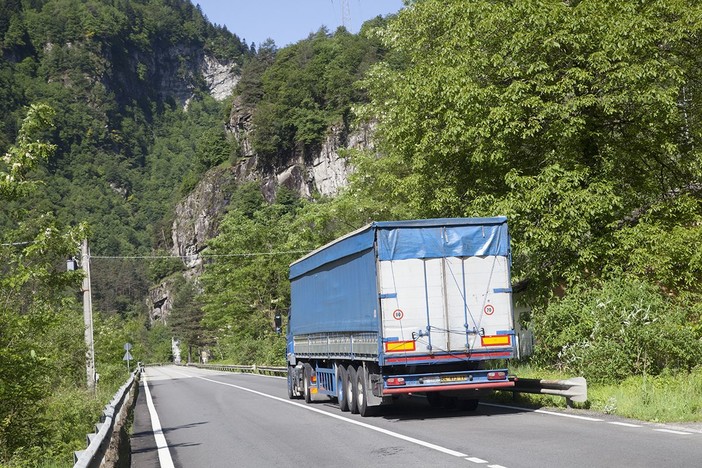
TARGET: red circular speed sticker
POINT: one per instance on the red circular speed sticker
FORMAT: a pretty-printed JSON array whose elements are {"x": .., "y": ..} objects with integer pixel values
[
  {"x": 489, "y": 309},
  {"x": 398, "y": 314}
]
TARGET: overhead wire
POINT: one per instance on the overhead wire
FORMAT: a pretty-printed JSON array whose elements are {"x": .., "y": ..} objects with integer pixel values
[
  {"x": 182, "y": 257},
  {"x": 14, "y": 244}
]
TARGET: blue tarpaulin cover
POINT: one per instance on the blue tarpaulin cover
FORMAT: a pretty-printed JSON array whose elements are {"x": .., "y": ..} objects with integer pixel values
[
  {"x": 334, "y": 289},
  {"x": 423, "y": 238},
  {"x": 469, "y": 240}
]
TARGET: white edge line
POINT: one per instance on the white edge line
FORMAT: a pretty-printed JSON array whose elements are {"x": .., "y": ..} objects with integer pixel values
[
  {"x": 496, "y": 466},
  {"x": 340, "y": 418},
  {"x": 164, "y": 455},
  {"x": 552, "y": 413},
  {"x": 617, "y": 423},
  {"x": 670, "y": 431},
  {"x": 477, "y": 460}
]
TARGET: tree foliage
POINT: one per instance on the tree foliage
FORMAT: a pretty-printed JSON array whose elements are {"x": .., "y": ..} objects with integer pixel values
[
  {"x": 578, "y": 120},
  {"x": 122, "y": 142},
  {"x": 35, "y": 304},
  {"x": 305, "y": 89},
  {"x": 623, "y": 328},
  {"x": 245, "y": 283}
]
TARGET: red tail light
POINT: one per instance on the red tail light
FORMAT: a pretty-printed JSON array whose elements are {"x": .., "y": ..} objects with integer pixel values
[
  {"x": 395, "y": 381},
  {"x": 497, "y": 375}
]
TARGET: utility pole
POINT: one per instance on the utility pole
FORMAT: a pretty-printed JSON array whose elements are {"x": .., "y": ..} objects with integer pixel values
[
  {"x": 88, "y": 316},
  {"x": 345, "y": 14}
]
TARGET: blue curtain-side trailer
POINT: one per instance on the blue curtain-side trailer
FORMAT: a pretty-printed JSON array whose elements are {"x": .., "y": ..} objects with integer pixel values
[{"x": 403, "y": 307}]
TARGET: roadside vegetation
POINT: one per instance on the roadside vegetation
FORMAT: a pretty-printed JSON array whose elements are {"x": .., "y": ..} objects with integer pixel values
[
  {"x": 580, "y": 121},
  {"x": 668, "y": 397}
]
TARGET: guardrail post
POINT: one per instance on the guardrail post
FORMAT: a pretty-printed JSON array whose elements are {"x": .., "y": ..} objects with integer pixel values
[{"x": 573, "y": 389}]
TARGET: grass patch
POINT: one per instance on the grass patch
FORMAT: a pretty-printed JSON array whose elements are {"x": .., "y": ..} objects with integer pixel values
[{"x": 663, "y": 398}]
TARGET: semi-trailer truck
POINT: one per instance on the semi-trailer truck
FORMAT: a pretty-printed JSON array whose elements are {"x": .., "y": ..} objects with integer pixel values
[{"x": 403, "y": 307}]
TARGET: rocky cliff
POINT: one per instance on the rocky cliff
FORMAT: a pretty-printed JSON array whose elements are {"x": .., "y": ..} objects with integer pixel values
[
  {"x": 197, "y": 216},
  {"x": 179, "y": 71}
]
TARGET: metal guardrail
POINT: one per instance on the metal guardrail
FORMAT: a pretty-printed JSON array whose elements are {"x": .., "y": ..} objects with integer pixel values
[
  {"x": 99, "y": 441},
  {"x": 574, "y": 389},
  {"x": 254, "y": 369}
]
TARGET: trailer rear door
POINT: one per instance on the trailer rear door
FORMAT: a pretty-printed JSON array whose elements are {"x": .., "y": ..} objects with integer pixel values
[{"x": 452, "y": 304}]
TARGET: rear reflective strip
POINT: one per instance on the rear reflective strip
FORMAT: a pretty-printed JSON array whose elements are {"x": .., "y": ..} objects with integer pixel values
[
  {"x": 495, "y": 340},
  {"x": 397, "y": 346}
]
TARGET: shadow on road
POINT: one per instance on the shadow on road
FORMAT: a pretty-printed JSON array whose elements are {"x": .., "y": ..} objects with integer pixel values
[
  {"x": 417, "y": 408},
  {"x": 170, "y": 446}
]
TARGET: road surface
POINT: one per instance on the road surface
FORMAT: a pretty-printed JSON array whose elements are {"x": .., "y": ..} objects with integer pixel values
[{"x": 210, "y": 418}]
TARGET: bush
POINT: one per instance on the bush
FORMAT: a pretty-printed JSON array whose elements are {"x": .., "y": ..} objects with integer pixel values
[{"x": 625, "y": 327}]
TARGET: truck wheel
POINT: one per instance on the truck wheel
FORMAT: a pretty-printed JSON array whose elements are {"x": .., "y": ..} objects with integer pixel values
[
  {"x": 435, "y": 399},
  {"x": 351, "y": 397},
  {"x": 449, "y": 402},
  {"x": 291, "y": 384},
  {"x": 468, "y": 405},
  {"x": 306, "y": 378},
  {"x": 341, "y": 390},
  {"x": 361, "y": 395}
]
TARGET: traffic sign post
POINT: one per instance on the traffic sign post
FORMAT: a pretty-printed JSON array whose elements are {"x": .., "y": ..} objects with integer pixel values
[{"x": 127, "y": 355}]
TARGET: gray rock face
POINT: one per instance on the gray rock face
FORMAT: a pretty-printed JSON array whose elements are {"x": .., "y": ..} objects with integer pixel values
[
  {"x": 179, "y": 71},
  {"x": 175, "y": 69},
  {"x": 330, "y": 171},
  {"x": 220, "y": 77},
  {"x": 197, "y": 217},
  {"x": 240, "y": 125},
  {"x": 160, "y": 301}
]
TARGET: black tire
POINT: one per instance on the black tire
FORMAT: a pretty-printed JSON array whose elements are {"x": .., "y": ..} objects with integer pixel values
[
  {"x": 291, "y": 383},
  {"x": 362, "y": 393},
  {"x": 435, "y": 399},
  {"x": 468, "y": 405},
  {"x": 307, "y": 386},
  {"x": 449, "y": 402},
  {"x": 341, "y": 389},
  {"x": 350, "y": 389}
]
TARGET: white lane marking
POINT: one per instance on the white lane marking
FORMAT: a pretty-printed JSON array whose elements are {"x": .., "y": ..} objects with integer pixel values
[
  {"x": 584, "y": 418},
  {"x": 669, "y": 431},
  {"x": 552, "y": 413},
  {"x": 341, "y": 418},
  {"x": 479, "y": 461},
  {"x": 617, "y": 423},
  {"x": 164, "y": 455},
  {"x": 496, "y": 466}
]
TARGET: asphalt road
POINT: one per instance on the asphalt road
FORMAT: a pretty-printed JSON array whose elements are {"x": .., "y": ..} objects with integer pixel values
[{"x": 222, "y": 419}]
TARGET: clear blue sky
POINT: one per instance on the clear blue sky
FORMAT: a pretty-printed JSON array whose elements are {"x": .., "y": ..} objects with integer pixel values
[{"x": 288, "y": 21}]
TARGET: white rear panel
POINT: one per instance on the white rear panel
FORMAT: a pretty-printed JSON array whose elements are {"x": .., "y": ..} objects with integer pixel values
[{"x": 448, "y": 303}]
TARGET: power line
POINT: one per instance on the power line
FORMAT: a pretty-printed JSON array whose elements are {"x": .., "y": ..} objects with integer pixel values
[
  {"x": 181, "y": 257},
  {"x": 13, "y": 244}
]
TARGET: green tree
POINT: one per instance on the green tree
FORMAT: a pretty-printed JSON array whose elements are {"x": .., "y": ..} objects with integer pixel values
[
  {"x": 37, "y": 303},
  {"x": 245, "y": 282},
  {"x": 306, "y": 89},
  {"x": 213, "y": 148},
  {"x": 186, "y": 318},
  {"x": 621, "y": 328},
  {"x": 572, "y": 118}
]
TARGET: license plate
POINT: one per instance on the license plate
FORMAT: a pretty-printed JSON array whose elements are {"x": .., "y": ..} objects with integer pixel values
[{"x": 453, "y": 378}]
